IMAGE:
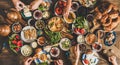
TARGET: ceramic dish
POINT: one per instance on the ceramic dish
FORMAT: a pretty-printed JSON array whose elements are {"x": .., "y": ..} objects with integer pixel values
[
  {"x": 89, "y": 59},
  {"x": 34, "y": 44},
  {"x": 59, "y": 6},
  {"x": 97, "y": 47},
  {"x": 110, "y": 38},
  {"x": 65, "y": 44},
  {"x": 75, "y": 6},
  {"x": 31, "y": 22},
  {"x": 90, "y": 38},
  {"x": 39, "y": 24},
  {"x": 71, "y": 17},
  {"x": 28, "y": 34},
  {"x": 15, "y": 42},
  {"x": 41, "y": 57},
  {"x": 80, "y": 39},
  {"x": 46, "y": 14},
  {"x": 16, "y": 27},
  {"x": 82, "y": 47},
  {"x": 26, "y": 50},
  {"x": 54, "y": 52},
  {"x": 45, "y": 6},
  {"x": 80, "y": 26},
  {"x": 41, "y": 41},
  {"x": 37, "y": 14}
]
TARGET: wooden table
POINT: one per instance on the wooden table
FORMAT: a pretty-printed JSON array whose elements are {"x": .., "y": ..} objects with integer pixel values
[{"x": 13, "y": 59}]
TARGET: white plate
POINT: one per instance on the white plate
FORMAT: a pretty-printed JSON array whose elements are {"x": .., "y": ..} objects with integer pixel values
[
  {"x": 93, "y": 60},
  {"x": 26, "y": 50},
  {"x": 40, "y": 60},
  {"x": 23, "y": 37},
  {"x": 61, "y": 42}
]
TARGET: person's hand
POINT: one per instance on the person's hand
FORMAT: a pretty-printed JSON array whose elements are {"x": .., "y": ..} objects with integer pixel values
[
  {"x": 77, "y": 54},
  {"x": 28, "y": 61},
  {"x": 67, "y": 9},
  {"x": 58, "y": 62},
  {"x": 77, "y": 51},
  {"x": 35, "y": 4},
  {"x": 18, "y": 5},
  {"x": 112, "y": 59},
  {"x": 66, "y": 12}
]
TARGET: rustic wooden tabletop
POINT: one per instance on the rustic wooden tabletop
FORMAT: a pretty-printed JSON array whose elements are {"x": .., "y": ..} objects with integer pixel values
[{"x": 13, "y": 59}]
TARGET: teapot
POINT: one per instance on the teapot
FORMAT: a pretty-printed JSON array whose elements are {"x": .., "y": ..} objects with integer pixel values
[{"x": 5, "y": 30}]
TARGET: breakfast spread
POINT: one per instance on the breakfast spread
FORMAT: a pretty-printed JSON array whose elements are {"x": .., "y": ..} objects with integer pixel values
[{"x": 49, "y": 33}]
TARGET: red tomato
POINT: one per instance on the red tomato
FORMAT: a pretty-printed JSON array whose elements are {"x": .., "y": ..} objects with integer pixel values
[
  {"x": 19, "y": 43},
  {"x": 86, "y": 61},
  {"x": 58, "y": 10},
  {"x": 75, "y": 30},
  {"x": 14, "y": 42},
  {"x": 79, "y": 30},
  {"x": 17, "y": 49},
  {"x": 82, "y": 31},
  {"x": 17, "y": 37}
]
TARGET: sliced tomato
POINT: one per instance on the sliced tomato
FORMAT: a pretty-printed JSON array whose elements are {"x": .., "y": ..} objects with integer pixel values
[
  {"x": 58, "y": 10},
  {"x": 86, "y": 61},
  {"x": 17, "y": 49},
  {"x": 14, "y": 42},
  {"x": 79, "y": 30},
  {"x": 17, "y": 37},
  {"x": 19, "y": 43},
  {"x": 82, "y": 31},
  {"x": 75, "y": 30}
]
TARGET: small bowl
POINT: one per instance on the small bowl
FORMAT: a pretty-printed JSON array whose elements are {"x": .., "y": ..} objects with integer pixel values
[
  {"x": 58, "y": 8},
  {"x": 44, "y": 6},
  {"x": 90, "y": 17},
  {"x": 90, "y": 38},
  {"x": 34, "y": 44},
  {"x": 31, "y": 22},
  {"x": 65, "y": 44},
  {"x": 71, "y": 18},
  {"x": 80, "y": 39},
  {"x": 37, "y": 14},
  {"x": 97, "y": 47},
  {"x": 16, "y": 27},
  {"x": 54, "y": 52},
  {"x": 41, "y": 41},
  {"x": 26, "y": 50},
  {"x": 39, "y": 24},
  {"x": 110, "y": 38},
  {"x": 74, "y": 6},
  {"x": 82, "y": 47},
  {"x": 46, "y": 14}
]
